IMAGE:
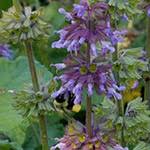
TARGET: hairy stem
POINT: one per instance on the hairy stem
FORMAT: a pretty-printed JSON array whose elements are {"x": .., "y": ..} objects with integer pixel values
[
  {"x": 36, "y": 88},
  {"x": 147, "y": 78},
  {"x": 88, "y": 100},
  {"x": 44, "y": 137},
  {"x": 89, "y": 116},
  {"x": 120, "y": 104},
  {"x": 32, "y": 66}
]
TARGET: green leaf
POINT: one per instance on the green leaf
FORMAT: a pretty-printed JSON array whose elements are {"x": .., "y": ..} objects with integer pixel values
[
  {"x": 55, "y": 128},
  {"x": 142, "y": 146},
  {"x": 15, "y": 75}
]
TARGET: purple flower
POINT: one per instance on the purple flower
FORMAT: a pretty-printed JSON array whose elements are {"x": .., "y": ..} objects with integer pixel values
[
  {"x": 79, "y": 75},
  {"x": 148, "y": 11},
  {"x": 116, "y": 36},
  {"x": 5, "y": 51},
  {"x": 107, "y": 46},
  {"x": 66, "y": 14},
  {"x": 89, "y": 23},
  {"x": 118, "y": 147},
  {"x": 76, "y": 138},
  {"x": 59, "y": 66},
  {"x": 125, "y": 17},
  {"x": 135, "y": 85}
]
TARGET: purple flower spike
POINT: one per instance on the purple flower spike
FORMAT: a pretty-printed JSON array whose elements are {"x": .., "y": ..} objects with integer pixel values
[
  {"x": 76, "y": 138},
  {"x": 88, "y": 24},
  {"x": 5, "y": 51},
  {"x": 80, "y": 75}
]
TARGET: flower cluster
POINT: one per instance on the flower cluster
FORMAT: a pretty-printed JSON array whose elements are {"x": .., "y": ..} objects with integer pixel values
[
  {"x": 89, "y": 23},
  {"x": 90, "y": 39},
  {"x": 76, "y": 138},
  {"x": 5, "y": 51},
  {"x": 23, "y": 25},
  {"x": 79, "y": 75}
]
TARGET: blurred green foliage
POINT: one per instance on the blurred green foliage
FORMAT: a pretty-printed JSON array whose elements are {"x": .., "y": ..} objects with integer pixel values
[{"x": 5, "y": 4}]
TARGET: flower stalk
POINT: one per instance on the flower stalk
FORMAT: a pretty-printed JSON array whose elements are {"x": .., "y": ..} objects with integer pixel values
[
  {"x": 147, "y": 78},
  {"x": 120, "y": 104},
  {"x": 88, "y": 99},
  {"x": 36, "y": 88},
  {"x": 89, "y": 116}
]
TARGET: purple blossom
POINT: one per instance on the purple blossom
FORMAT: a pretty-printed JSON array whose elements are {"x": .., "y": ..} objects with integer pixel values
[
  {"x": 66, "y": 14},
  {"x": 79, "y": 75},
  {"x": 107, "y": 46},
  {"x": 5, "y": 51},
  {"x": 89, "y": 23},
  {"x": 135, "y": 85},
  {"x": 148, "y": 11},
  {"x": 59, "y": 66},
  {"x": 116, "y": 36},
  {"x": 76, "y": 138},
  {"x": 118, "y": 147},
  {"x": 125, "y": 17}
]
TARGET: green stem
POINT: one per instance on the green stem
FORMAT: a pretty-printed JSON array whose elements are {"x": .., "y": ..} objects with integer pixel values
[
  {"x": 32, "y": 68},
  {"x": 120, "y": 104},
  {"x": 147, "y": 78},
  {"x": 44, "y": 137},
  {"x": 88, "y": 100},
  {"x": 89, "y": 116},
  {"x": 36, "y": 88}
]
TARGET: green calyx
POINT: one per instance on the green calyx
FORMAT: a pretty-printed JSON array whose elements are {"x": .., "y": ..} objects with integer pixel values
[
  {"x": 31, "y": 104},
  {"x": 83, "y": 70},
  {"x": 93, "y": 68},
  {"x": 39, "y": 96}
]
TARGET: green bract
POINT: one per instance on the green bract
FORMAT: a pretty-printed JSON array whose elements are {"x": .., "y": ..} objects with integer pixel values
[
  {"x": 31, "y": 104},
  {"x": 18, "y": 26}
]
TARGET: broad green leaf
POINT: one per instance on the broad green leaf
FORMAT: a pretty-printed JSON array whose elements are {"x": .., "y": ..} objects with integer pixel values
[
  {"x": 15, "y": 75},
  {"x": 55, "y": 128}
]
